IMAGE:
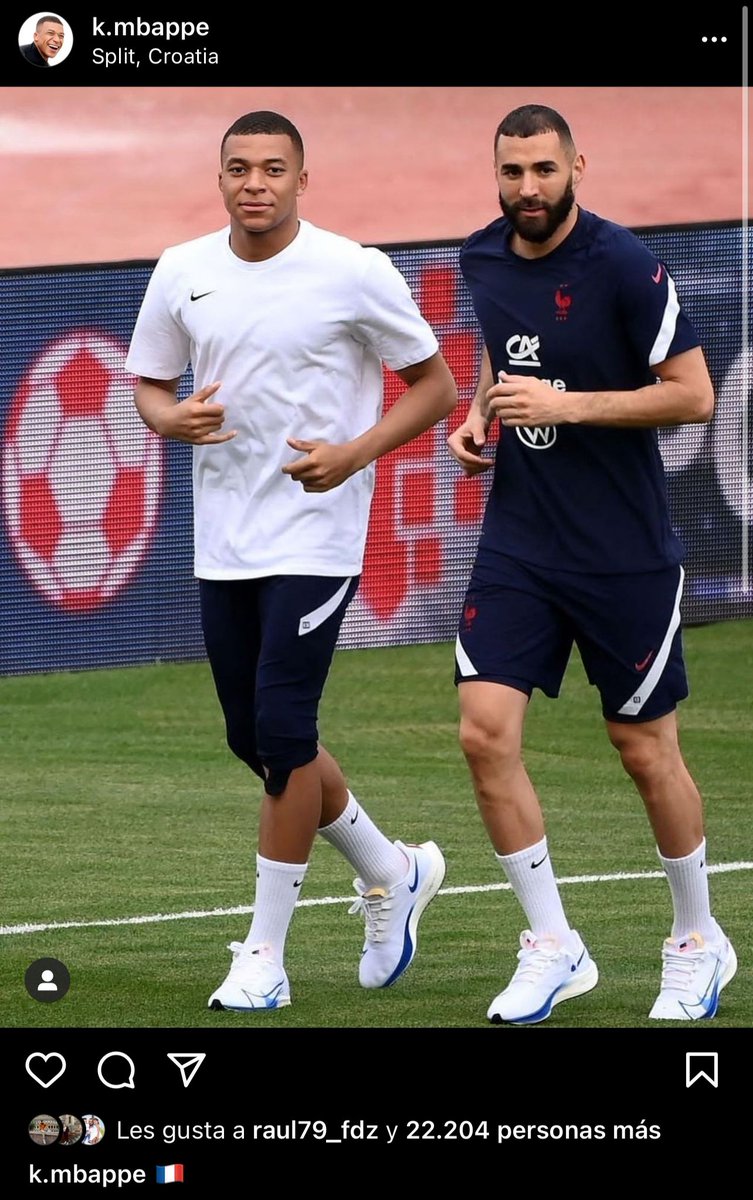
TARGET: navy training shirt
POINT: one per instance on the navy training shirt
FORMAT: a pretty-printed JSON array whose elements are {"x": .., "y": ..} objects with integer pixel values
[{"x": 596, "y": 314}]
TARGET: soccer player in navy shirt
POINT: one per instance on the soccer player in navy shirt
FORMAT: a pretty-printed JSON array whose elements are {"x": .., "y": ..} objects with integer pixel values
[{"x": 587, "y": 352}]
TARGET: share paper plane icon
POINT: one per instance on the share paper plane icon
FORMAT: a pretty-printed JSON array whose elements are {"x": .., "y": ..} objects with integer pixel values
[{"x": 187, "y": 1064}]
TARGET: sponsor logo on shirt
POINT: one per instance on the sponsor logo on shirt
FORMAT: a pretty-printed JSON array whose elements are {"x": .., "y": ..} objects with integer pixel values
[
  {"x": 541, "y": 438},
  {"x": 523, "y": 350}
]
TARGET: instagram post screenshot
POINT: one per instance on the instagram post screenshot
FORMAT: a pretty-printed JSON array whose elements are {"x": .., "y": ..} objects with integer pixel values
[{"x": 376, "y": 593}]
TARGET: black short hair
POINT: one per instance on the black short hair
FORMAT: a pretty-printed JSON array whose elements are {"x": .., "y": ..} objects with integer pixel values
[
  {"x": 530, "y": 119},
  {"x": 50, "y": 17},
  {"x": 264, "y": 122}
]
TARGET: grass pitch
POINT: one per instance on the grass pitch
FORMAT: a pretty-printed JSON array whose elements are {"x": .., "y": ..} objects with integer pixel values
[{"x": 129, "y": 832}]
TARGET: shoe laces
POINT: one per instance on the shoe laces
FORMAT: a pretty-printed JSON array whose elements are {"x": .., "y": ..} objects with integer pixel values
[
  {"x": 536, "y": 955},
  {"x": 374, "y": 906},
  {"x": 244, "y": 956},
  {"x": 680, "y": 961}
]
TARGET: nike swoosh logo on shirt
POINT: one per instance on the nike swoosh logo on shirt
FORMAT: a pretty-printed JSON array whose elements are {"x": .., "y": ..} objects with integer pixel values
[
  {"x": 201, "y": 295},
  {"x": 657, "y": 276}
]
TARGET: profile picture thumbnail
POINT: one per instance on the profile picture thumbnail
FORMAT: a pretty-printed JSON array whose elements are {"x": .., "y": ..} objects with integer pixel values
[
  {"x": 44, "y": 1129},
  {"x": 94, "y": 1129},
  {"x": 45, "y": 39},
  {"x": 71, "y": 1130}
]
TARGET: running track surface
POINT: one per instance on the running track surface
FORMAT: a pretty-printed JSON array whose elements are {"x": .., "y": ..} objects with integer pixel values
[{"x": 116, "y": 173}]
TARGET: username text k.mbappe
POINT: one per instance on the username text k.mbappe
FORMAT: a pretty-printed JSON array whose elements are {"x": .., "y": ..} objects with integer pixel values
[{"x": 175, "y": 43}]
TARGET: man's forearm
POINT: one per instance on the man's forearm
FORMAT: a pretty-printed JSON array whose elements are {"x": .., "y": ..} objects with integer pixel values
[
  {"x": 152, "y": 401},
  {"x": 657, "y": 405},
  {"x": 428, "y": 399}
]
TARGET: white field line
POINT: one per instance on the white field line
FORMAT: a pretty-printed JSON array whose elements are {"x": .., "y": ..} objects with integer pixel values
[{"x": 200, "y": 914}]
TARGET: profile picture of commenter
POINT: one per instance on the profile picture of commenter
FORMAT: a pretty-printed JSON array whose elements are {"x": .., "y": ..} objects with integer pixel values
[{"x": 155, "y": 55}]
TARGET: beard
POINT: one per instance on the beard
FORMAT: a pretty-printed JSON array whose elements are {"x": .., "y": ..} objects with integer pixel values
[{"x": 539, "y": 229}]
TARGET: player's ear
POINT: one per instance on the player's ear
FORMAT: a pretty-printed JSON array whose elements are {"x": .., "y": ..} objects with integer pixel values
[
  {"x": 303, "y": 179},
  {"x": 579, "y": 167}
]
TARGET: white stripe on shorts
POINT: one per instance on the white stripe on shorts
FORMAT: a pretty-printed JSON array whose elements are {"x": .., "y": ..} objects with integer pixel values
[
  {"x": 463, "y": 661},
  {"x": 313, "y": 620},
  {"x": 633, "y": 706}
]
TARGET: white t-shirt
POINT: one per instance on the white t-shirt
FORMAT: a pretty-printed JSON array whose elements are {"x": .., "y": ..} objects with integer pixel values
[{"x": 298, "y": 342}]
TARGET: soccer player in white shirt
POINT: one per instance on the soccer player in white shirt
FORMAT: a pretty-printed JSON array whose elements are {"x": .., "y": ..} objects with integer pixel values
[{"x": 286, "y": 327}]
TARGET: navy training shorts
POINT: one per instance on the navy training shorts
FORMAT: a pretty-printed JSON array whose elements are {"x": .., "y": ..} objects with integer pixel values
[
  {"x": 270, "y": 644},
  {"x": 519, "y": 623}
]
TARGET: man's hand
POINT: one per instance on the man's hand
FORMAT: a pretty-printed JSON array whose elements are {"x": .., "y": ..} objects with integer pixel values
[
  {"x": 326, "y": 465},
  {"x": 195, "y": 419},
  {"x": 525, "y": 400},
  {"x": 467, "y": 442}
]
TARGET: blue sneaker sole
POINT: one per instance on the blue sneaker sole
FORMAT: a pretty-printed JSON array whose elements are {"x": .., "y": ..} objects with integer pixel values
[{"x": 578, "y": 987}]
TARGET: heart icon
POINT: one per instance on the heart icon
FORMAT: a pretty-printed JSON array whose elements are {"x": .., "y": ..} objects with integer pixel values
[{"x": 45, "y": 1058}]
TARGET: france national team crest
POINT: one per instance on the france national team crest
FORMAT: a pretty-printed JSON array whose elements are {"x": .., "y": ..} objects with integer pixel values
[
  {"x": 562, "y": 302},
  {"x": 81, "y": 474}
]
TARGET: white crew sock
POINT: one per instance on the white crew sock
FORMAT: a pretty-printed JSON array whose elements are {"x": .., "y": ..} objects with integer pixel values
[
  {"x": 689, "y": 884},
  {"x": 532, "y": 879},
  {"x": 378, "y": 861},
  {"x": 278, "y": 886}
]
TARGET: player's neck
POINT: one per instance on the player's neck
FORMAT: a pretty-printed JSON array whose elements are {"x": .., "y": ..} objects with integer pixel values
[{"x": 253, "y": 246}]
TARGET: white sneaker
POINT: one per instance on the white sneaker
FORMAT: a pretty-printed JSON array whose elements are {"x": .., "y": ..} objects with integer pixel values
[
  {"x": 392, "y": 915},
  {"x": 254, "y": 981},
  {"x": 693, "y": 974},
  {"x": 547, "y": 974}
]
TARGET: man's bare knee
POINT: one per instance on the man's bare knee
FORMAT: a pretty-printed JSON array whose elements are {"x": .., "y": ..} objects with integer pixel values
[
  {"x": 482, "y": 743},
  {"x": 647, "y": 752}
]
